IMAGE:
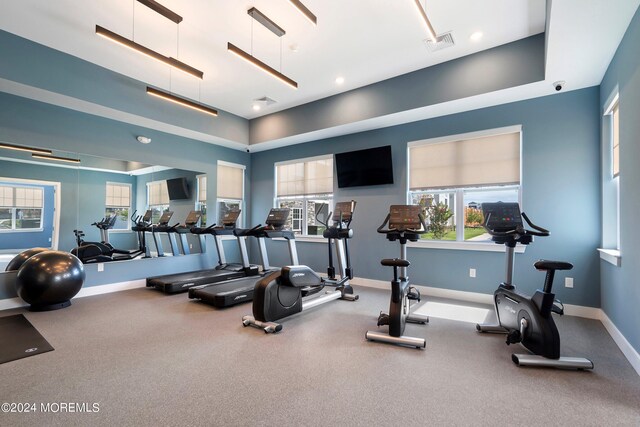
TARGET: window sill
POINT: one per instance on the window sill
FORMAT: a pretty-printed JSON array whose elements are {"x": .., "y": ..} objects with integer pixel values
[
  {"x": 25, "y": 230},
  {"x": 464, "y": 246},
  {"x": 612, "y": 256},
  {"x": 128, "y": 230}
]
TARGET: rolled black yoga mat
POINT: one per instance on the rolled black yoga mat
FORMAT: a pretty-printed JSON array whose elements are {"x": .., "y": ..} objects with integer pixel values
[{"x": 18, "y": 339}]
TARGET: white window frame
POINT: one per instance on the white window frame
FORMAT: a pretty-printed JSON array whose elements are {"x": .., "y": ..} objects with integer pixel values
[
  {"x": 201, "y": 203},
  {"x": 460, "y": 243},
  {"x": 161, "y": 207},
  {"x": 14, "y": 209},
  {"x": 305, "y": 199},
  {"x": 219, "y": 200},
  {"x": 121, "y": 184},
  {"x": 612, "y": 255}
]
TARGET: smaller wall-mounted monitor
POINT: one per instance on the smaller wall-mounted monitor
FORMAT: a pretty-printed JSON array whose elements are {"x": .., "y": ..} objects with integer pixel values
[
  {"x": 178, "y": 189},
  {"x": 372, "y": 166}
]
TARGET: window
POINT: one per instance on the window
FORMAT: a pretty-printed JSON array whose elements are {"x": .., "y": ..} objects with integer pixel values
[
  {"x": 451, "y": 177},
  {"x": 201, "y": 201},
  {"x": 611, "y": 174},
  {"x": 118, "y": 203},
  {"x": 157, "y": 199},
  {"x": 21, "y": 207},
  {"x": 306, "y": 187},
  {"x": 230, "y": 189}
]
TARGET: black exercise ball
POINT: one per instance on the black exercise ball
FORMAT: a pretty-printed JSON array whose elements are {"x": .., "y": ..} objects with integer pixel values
[
  {"x": 49, "y": 280},
  {"x": 18, "y": 260}
]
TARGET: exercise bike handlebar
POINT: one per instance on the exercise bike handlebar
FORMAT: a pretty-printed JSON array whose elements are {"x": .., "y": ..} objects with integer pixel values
[
  {"x": 423, "y": 230},
  {"x": 519, "y": 230}
]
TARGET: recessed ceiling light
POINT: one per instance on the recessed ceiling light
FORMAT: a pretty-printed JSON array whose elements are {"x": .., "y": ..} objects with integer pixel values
[
  {"x": 339, "y": 80},
  {"x": 476, "y": 36},
  {"x": 256, "y": 107}
]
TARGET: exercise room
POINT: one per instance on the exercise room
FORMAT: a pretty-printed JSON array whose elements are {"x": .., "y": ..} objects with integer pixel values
[{"x": 319, "y": 213}]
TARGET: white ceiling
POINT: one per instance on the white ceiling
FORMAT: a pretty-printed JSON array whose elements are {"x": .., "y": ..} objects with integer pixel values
[{"x": 363, "y": 40}]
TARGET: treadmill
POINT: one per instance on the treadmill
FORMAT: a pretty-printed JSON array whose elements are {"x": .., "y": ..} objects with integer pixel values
[
  {"x": 232, "y": 292},
  {"x": 181, "y": 282}
]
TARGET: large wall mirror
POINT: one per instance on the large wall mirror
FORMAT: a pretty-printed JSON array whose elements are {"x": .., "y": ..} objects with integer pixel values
[{"x": 43, "y": 201}]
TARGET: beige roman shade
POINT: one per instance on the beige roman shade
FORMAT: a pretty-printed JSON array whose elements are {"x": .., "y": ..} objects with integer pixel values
[
  {"x": 230, "y": 182},
  {"x": 313, "y": 177},
  {"x": 202, "y": 188},
  {"x": 158, "y": 193},
  {"x": 118, "y": 195},
  {"x": 616, "y": 140},
  {"x": 21, "y": 197},
  {"x": 490, "y": 160}
]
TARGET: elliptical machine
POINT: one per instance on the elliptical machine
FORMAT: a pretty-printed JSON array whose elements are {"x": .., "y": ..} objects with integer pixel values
[
  {"x": 280, "y": 294},
  {"x": 526, "y": 320},
  {"x": 406, "y": 223}
]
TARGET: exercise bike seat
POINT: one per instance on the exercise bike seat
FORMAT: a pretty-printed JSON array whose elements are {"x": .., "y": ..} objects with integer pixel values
[
  {"x": 395, "y": 262},
  {"x": 546, "y": 265}
]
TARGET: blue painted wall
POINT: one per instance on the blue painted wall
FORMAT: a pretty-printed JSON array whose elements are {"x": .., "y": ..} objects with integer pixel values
[
  {"x": 32, "y": 239},
  {"x": 560, "y": 191},
  {"x": 621, "y": 285}
]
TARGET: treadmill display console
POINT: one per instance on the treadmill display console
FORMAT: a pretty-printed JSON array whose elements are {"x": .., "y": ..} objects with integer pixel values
[
  {"x": 277, "y": 217},
  {"x": 405, "y": 217},
  {"x": 165, "y": 218},
  {"x": 230, "y": 217},
  {"x": 147, "y": 215},
  {"x": 343, "y": 211},
  {"x": 192, "y": 218},
  {"x": 502, "y": 216}
]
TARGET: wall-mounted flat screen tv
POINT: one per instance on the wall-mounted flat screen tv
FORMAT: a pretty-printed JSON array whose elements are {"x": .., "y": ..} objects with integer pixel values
[
  {"x": 178, "y": 189},
  {"x": 372, "y": 166}
]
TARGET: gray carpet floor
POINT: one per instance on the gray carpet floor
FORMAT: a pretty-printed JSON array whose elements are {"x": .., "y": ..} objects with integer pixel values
[{"x": 150, "y": 359}]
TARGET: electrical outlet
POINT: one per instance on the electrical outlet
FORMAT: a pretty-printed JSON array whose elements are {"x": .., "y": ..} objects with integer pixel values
[
  {"x": 190, "y": 245},
  {"x": 101, "y": 266},
  {"x": 568, "y": 282},
  {"x": 49, "y": 239},
  {"x": 472, "y": 272}
]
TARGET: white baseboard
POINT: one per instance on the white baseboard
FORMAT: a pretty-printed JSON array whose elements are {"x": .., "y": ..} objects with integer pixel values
[
  {"x": 627, "y": 349},
  {"x": 9, "y": 303}
]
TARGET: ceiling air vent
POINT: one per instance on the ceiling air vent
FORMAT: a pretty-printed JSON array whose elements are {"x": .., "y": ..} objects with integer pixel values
[
  {"x": 443, "y": 42},
  {"x": 265, "y": 100}
]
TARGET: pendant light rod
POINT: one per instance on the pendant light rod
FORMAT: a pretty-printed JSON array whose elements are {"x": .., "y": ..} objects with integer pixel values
[
  {"x": 306, "y": 12},
  {"x": 56, "y": 158},
  {"x": 27, "y": 149},
  {"x": 181, "y": 101},
  {"x": 117, "y": 38},
  {"x": 266, "y": 22},
  {"x": 430, "y": 30},
  {"x": 162, "y": 10},
  {"x": 264, "y": 67}
]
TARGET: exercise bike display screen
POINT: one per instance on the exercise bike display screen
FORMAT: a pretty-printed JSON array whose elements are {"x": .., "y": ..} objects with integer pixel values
[
  {"x": 277, "y": 217},
  {"x": 405, "y": 217},
  {"x": 502, "y": 216},
  {"x": 343, "y": 211}
]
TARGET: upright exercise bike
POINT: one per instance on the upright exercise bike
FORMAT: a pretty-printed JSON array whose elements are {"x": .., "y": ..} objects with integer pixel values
[
  {"x": 288, "y": 291},
  {"x": 406, "y": 223},
  {"x": 526, "y": 320}
]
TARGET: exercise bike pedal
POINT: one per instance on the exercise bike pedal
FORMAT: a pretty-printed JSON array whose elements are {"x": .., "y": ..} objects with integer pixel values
[
  {"x": 413, "y": 294},
  {"x": 513, "y": 337},
  {"x": 557, "y": 307},
  {"x": 383, "y": 319}
]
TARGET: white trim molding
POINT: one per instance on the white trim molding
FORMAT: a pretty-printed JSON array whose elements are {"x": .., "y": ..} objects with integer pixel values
[{"x": 627, "y": 349}]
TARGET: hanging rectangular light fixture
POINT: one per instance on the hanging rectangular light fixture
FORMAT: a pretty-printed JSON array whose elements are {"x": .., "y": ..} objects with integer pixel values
[
  {"x": 181, "y": 101},
  {"x": 264, "y": 67},
  {"x": 56, "y": 158},
  {"x": 430, "y": 30},
  {"x": 264, "y": 20},
  {"x": 117, "y": 38},
  {"x": 306, "y": 12},
  {"x": 162, "y": 10},
  {"x": 27, "y": 149}
]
